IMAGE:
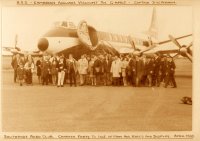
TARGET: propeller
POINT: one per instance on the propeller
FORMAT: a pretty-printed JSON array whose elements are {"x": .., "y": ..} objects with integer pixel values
[
  {"x": 138, "y": 52},
  {"x": 132, "y": 42},
  {"x": 148, "y": 48},
  {"x": 183, "y": 50},
  {"x": 174, "y": 41}
]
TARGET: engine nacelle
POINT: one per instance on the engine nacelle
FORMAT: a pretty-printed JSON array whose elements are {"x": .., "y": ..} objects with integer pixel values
[{"x": 88, "y": 35}]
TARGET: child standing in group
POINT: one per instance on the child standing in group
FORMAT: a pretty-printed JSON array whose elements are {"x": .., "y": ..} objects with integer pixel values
[{"x": 20, "y": 73}]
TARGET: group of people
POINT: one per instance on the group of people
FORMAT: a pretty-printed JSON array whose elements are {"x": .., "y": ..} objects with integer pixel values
[{"x": 96, "y": 70}]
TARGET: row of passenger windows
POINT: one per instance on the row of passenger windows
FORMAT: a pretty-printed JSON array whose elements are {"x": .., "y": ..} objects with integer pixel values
[{"x": 117, "y": 38}]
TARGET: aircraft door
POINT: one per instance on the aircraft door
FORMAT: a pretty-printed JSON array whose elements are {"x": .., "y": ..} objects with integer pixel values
[{"x": 87, "y": 35}]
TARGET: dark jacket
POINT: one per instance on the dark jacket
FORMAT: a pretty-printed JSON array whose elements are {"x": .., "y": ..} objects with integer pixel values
[
  {"x": 131, "y": 68},
  {"x": 71, "y": 66},
  {"x": 45, "y": 67},
  {"x": 140, "y": 68},
  {"x": 157, "y": 65},
  {"x": 106, "y": 65},
  {"x": 15, "y": 63},
  {"x": 170, "y": 68},
  {"x": 149, "y": 67},
  {"x": 98, "y": 67}
]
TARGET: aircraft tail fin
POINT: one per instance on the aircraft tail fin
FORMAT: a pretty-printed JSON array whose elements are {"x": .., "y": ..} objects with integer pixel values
[
  {"x": 152, "y": 31},
  {"x": 16, "y": 40},
  {"x": 16, "y": 43}
]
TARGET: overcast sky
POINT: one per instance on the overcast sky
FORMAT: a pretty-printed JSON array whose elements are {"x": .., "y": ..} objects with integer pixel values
[{"x": 30, "y": 23}]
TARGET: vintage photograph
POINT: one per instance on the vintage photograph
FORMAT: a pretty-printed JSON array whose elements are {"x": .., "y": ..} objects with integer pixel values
[{"x": 96, "y": 68}]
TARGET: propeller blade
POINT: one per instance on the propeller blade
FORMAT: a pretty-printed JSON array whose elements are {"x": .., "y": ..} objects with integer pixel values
[
  {"x": 17, "y": 48},
  {"x": 189, "y": 56},
  {"x": 174, "y": 41},
  {"x": 132, "y": 43},
  {"x": 189, "y": 45},
  {"x": 175, "y": 55}
]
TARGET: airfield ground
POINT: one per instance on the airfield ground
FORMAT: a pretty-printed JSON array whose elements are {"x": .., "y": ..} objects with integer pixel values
[{"x": 48, "y": 108}]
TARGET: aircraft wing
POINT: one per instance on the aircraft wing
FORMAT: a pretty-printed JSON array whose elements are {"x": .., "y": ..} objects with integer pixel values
[
  {"x": 11, "y": 48},
  {"x": 17, "y": 50},
  {"x": 168, "y": 51},
  {"x": 32, "y": 53},
  {"x": 177, "y": 38}
]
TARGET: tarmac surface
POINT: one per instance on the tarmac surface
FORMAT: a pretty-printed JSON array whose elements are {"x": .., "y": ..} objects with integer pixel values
[{"x": 40, "y": 108}]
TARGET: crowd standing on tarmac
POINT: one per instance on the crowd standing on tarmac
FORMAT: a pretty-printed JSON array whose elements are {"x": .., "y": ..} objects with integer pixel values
[{"x": 96, "y": 70}]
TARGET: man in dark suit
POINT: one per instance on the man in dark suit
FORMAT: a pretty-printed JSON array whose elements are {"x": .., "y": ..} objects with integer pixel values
[
  {"x": 45, "y": 69},
  {"x": 131, "y": 70},
  {"x": 97, "y": 70},
  {"x": 157, "y": 70},
  {"x": 16, "y": 60},
  {"x": 163, "y": 68},
  {"x": 72, "y": 69},
  {"x": 144, "y": 73},
  {"x": 139, "y": 70},
  {"x": 170, "y": 71},
  {"x": 149, "y": 68},
  {"x": 106, "y": 70}
]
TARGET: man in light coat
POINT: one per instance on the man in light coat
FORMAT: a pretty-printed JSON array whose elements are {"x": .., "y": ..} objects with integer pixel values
[
  {"x": 116, "y": 70},
  {"x": 83, "y": 66}
]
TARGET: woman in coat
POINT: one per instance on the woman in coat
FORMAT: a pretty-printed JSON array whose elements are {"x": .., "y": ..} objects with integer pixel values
[
  {"x": 39, "y": 70},
  {"x": 72, "y": 70},
  {"x": 54, "y": 70},
  {"x": 29, "y": 67},
  {"x": 83, "y": 66},
  {"x": 124, "y": 67}
]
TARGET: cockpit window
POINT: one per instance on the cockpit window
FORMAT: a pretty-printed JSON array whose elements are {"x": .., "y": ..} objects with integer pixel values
[{"x": 68, "y": 24}]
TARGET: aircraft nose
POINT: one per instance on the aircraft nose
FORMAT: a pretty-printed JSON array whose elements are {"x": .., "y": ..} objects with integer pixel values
[{"x": 43, "y": 44}]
